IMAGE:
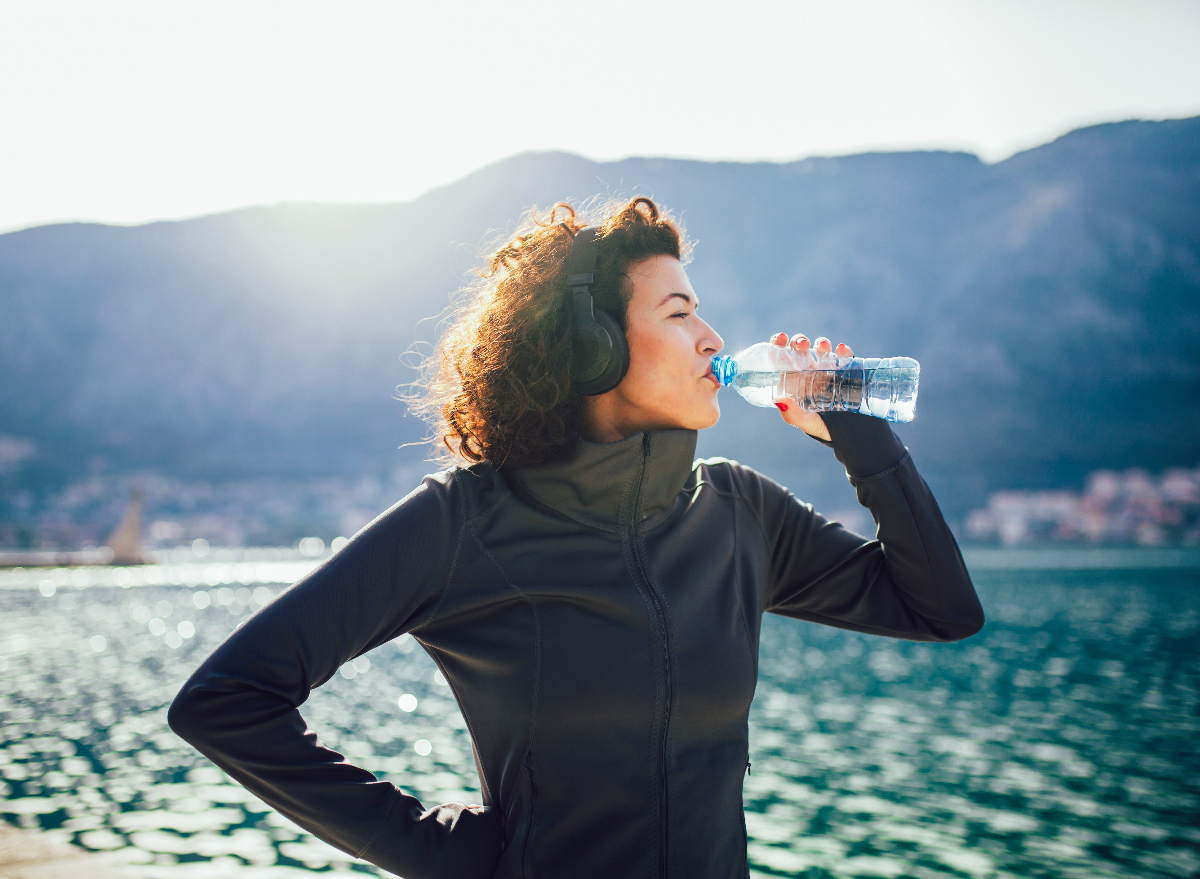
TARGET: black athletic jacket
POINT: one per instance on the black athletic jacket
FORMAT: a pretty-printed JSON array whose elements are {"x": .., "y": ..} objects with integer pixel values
[{"x": 598, "y": 621}]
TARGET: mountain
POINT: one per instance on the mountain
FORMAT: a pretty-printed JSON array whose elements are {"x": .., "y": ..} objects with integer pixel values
[{"x": 1053, "y": 300}]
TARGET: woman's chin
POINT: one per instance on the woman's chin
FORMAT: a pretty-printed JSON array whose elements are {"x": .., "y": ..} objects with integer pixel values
[{"x": 710, "y": 417}]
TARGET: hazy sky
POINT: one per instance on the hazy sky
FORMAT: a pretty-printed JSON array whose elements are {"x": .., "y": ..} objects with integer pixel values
[{"x": 129, "y": 111}]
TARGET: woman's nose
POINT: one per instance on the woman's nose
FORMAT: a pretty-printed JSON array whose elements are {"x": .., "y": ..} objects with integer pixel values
[{"x": 711, "y": 341}]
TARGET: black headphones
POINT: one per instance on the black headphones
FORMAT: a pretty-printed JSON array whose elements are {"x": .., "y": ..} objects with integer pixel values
[{"x": 601, "y": 351}]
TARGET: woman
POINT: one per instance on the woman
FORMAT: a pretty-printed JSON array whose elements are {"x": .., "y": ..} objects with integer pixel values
[{"x": 592, "y": 596}]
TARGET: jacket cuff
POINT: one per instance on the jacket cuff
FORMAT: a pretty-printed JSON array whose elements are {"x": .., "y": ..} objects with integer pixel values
[
  {"x": 447, "y": 840},
  {"x": 864, "y": 444}
]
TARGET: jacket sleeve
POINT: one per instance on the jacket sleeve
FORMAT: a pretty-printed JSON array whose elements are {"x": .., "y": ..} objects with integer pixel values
[
  {"x": 241, "y": 707},
  {"x": 909, "y": 582}
]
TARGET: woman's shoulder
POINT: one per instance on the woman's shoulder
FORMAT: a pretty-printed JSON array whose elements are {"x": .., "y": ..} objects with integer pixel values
[
  {"x": 764, "y": 500},
  {"x": 440, "y": 504},
  {"x": 730, "y": 477},
  {"x": 466, "y": 491}
]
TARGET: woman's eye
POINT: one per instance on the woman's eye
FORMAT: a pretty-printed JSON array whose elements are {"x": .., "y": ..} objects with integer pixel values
[{"x": 680, "y": 314}]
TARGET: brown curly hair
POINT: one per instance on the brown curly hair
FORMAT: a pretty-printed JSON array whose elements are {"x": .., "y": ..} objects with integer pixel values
[{"x": 498, "y": 384}]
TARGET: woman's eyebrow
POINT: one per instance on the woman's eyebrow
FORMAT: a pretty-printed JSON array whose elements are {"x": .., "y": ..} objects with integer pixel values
[{"x": 684, "y": 296}]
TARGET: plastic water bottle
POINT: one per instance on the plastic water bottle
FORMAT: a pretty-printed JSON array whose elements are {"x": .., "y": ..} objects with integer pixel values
[{"x": 884, "y": 387}]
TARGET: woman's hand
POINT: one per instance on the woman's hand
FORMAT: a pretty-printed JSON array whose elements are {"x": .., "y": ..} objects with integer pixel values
[{"x": 809, "y": 422}]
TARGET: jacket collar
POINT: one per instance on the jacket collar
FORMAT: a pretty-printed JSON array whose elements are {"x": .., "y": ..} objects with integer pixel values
[{"x": 611, "y": 485}]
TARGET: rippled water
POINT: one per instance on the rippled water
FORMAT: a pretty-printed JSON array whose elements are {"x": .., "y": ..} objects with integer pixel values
[{"x": 1060, "y": 742}]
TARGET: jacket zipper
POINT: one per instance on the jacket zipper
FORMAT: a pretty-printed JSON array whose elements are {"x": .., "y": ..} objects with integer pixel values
[{"x": 662, "y": 625}]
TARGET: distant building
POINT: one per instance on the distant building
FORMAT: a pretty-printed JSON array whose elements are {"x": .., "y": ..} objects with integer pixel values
[{"x": 1131, "y": 507}]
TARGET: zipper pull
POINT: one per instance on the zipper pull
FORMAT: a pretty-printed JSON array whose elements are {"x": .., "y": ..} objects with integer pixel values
[{"x": 747, "y": 767}]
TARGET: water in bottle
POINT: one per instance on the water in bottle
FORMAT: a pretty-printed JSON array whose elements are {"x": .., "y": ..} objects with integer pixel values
[{"x": 885, "y": 387}]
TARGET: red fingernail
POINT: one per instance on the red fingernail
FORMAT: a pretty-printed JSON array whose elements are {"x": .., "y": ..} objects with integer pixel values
[{"x": 782, "y": 407}]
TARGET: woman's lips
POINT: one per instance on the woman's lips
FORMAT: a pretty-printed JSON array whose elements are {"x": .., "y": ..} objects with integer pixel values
[{"x": 712, "y": 377}]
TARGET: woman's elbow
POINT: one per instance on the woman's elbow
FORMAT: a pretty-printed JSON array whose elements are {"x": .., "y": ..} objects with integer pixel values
[
  {"x": 964, "y": 627},
  {"x": 187, "y": 714}
]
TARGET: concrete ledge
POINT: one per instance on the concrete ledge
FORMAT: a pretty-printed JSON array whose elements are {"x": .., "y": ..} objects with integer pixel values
[{"x": 32, "y": 854}]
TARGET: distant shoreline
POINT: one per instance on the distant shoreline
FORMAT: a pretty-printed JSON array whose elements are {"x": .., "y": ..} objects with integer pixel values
[
  {"x": 282, "y": 565},
  {"x": 1079, "y": 557}
]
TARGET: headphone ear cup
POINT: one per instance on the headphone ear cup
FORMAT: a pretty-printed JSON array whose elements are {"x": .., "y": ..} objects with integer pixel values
[
  {"x": 618, "y": 361},
  {"x": 619, "y": 364}
]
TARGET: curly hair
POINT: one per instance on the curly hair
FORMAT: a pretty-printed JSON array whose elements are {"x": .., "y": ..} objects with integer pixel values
[{"x": 498, "y": 384}]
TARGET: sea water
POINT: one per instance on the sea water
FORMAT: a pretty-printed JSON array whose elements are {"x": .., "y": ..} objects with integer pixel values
[{"x": 1059, "y": 742}]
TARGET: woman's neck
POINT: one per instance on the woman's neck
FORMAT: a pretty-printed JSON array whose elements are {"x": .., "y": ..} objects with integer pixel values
[{"x": 604, "y": 420}]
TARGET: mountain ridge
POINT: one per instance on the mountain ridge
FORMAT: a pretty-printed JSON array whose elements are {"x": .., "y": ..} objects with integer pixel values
[{"x": 265, "y": 341}]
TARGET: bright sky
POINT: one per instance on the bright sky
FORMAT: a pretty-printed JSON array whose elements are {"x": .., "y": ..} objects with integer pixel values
[{"x": 130, "y": 111}]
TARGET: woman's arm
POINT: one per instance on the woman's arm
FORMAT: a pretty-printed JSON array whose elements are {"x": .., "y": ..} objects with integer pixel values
[
  {"x": 910, "y": 582},
  {"x": 240, "y": 708}
]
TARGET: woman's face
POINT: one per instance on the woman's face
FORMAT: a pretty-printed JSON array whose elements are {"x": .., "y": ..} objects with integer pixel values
[{"x": 670, "y": 382}]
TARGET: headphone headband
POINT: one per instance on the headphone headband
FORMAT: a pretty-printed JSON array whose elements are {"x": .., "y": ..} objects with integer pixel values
[{"x": 581, "y": 261}]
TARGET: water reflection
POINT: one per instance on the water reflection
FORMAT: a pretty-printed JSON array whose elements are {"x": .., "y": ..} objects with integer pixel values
[{"x": 1058, "y": 743}]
